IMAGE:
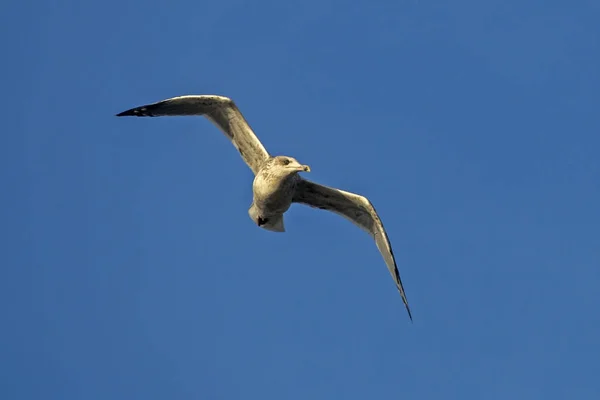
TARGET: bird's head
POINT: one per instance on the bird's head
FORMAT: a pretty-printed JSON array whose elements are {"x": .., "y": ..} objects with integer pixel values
[{"x": 289, "y": 164}]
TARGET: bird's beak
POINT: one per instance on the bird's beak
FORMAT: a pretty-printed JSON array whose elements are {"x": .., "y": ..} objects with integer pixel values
[{"x": 304, "y": 168}]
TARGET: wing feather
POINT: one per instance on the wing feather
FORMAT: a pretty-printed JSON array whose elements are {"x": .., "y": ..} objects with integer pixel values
[
  {"x": 221, "y": 111},
  {"x": 358, "y": 210}
]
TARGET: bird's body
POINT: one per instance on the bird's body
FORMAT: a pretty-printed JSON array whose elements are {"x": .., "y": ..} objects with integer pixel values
[
  {"x": 273, "y": 190},
  {"x": 276, "y": 184}
]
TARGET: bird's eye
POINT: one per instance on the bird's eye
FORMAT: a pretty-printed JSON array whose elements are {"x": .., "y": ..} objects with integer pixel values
[{"x": 285, "y": 161}]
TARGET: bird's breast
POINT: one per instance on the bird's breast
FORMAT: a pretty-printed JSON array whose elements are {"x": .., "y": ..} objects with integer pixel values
[{"x": 272, "y": 194}]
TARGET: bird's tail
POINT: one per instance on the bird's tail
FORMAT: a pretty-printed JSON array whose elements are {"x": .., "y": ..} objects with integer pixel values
[{"x": 273, "y": 223}]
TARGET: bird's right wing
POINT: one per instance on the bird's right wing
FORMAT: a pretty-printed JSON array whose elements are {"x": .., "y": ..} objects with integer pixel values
[
  {"x": 359, "y": 210},
  {"x": 221, "y": 111}
]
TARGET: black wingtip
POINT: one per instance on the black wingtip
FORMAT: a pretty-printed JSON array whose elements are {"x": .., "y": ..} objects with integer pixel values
[
  {"x": 128, "y": 113},
  {"x": 136, "y": 112},
  {"x": 407, "y": 307}
]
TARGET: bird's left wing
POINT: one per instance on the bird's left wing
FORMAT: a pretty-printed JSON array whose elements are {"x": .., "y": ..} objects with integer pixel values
[
  {"x": 221, "y": 111},
  {"x": 358, "y": 210}
]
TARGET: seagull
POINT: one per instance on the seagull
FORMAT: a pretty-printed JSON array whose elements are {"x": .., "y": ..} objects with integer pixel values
[{"x": 277, "y": 183}]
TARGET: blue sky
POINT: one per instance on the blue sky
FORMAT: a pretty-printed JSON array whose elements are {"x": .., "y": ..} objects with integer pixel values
[{"x": 130, "y": 267}]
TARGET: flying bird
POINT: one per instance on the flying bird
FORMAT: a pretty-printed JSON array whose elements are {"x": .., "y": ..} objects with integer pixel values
[{"x": 277, "y": 183}]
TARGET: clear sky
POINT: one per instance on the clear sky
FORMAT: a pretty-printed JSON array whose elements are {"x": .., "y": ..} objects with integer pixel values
[{"x": 131, "y": 270}]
